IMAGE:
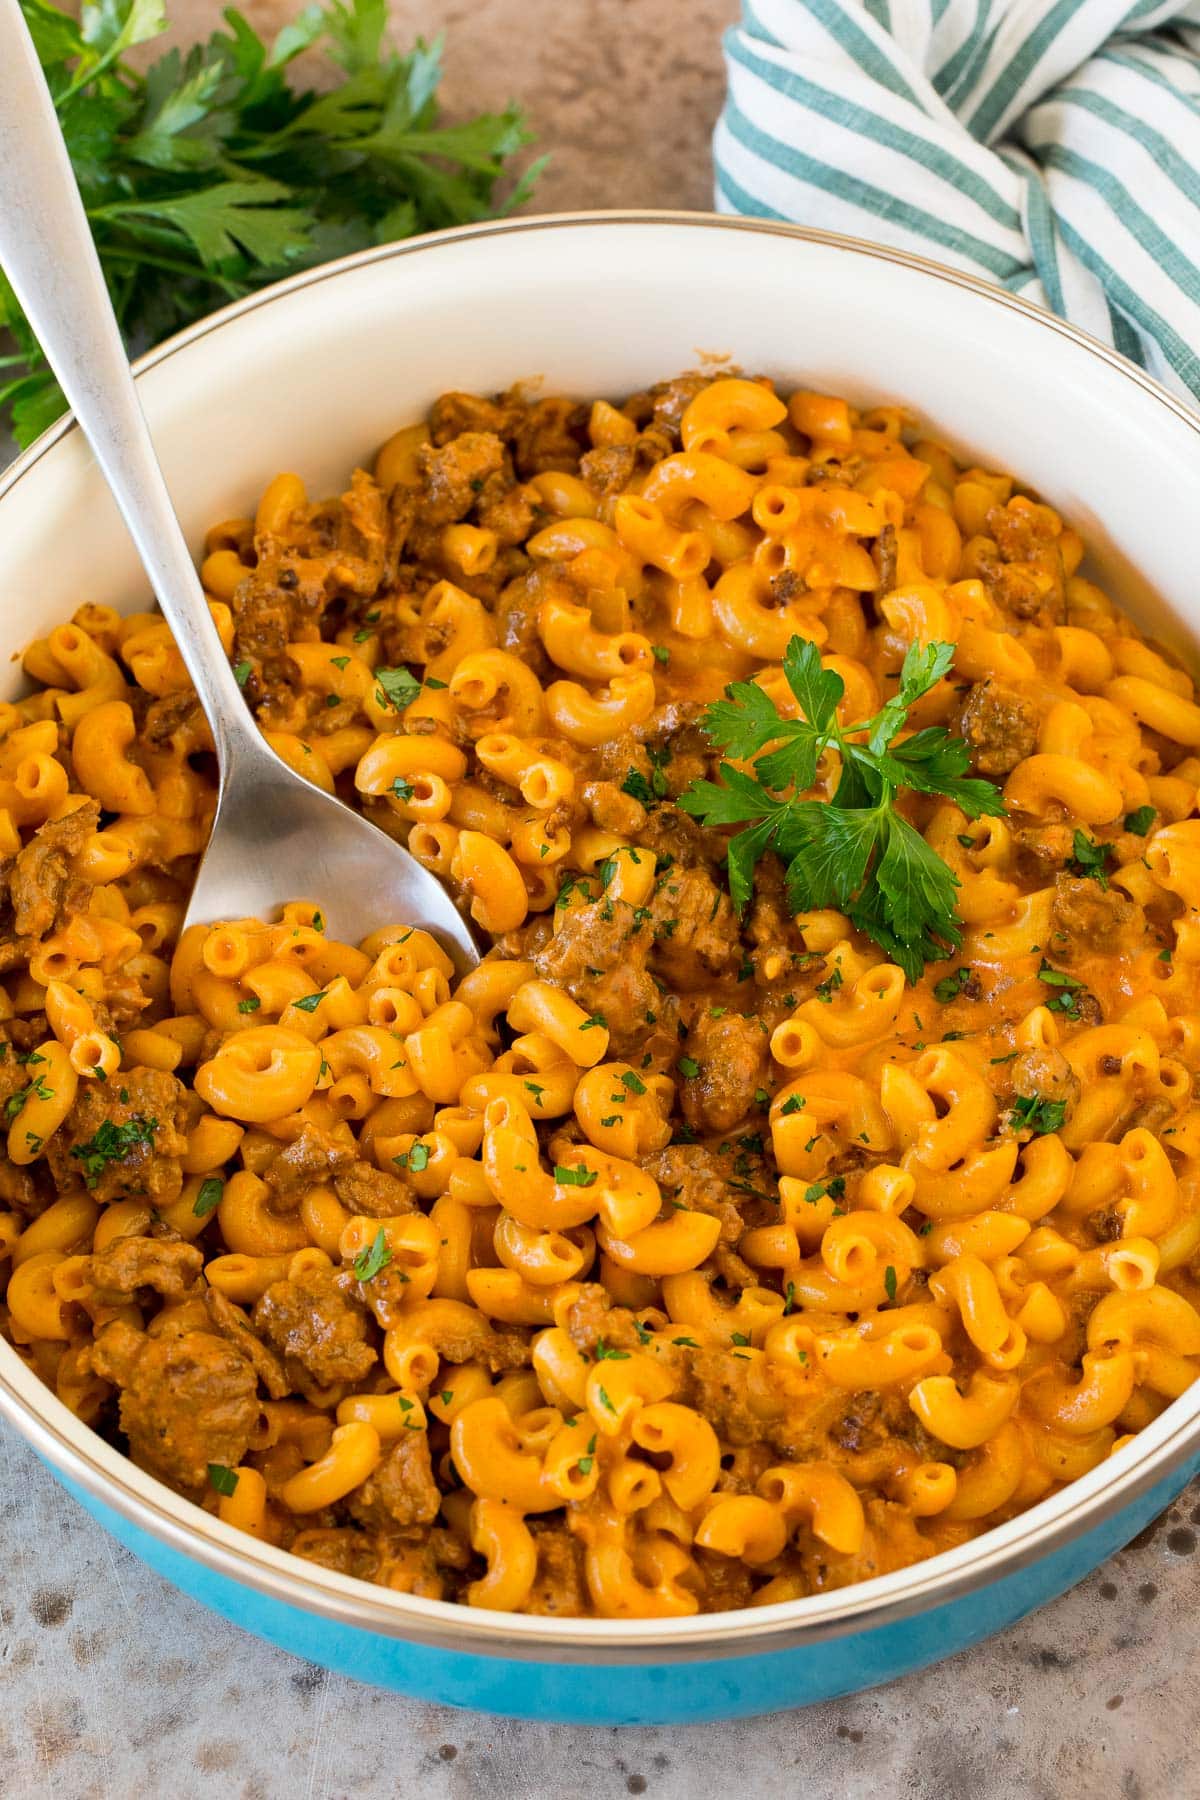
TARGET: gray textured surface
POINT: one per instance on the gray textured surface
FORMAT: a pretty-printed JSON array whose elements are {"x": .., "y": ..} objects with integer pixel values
[{"x": 114, "y": 1687}]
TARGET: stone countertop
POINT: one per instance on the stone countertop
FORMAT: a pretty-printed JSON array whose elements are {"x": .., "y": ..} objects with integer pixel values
[{"x": 115, "y": 1687}]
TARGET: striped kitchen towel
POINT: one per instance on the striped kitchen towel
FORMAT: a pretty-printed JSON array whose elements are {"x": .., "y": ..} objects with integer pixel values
[{"x": 1052, "y": 146}]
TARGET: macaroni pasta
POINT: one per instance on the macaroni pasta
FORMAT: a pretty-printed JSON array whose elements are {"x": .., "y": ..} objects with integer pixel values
[{"x": 668, "y": 1261}]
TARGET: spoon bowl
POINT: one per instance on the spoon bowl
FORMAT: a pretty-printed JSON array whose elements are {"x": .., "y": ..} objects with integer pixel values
[{"x": 276, "y": 837}]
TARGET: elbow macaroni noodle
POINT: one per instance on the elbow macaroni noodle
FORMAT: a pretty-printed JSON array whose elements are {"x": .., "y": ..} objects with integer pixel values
[{"x": 665, "y": 1262}]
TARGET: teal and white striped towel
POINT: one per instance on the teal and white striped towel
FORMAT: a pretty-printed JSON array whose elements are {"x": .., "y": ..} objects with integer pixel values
[{"x": 1052, "y": 146}]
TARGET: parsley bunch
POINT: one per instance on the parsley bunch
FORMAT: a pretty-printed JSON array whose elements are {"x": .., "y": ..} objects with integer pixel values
[
  {"x": 855, "y": 851},
  {"x": 212, "y": 175}
]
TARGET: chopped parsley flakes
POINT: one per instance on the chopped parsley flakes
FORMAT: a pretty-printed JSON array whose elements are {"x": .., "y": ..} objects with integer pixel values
[
  {"x": 577, "y": 1177},
  {"x": 223, "y": 1480},
  {"x": 1031, "y": 1113},
  {"x": 209, "y": 1197},
  {"x": 397, "y": 687},
  {"x": 375, "y": 1257},
  {"x": 113, "y": 1143}
]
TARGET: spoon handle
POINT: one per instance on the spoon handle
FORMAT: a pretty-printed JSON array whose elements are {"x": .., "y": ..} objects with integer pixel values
[{"x": 47, "y": 253}]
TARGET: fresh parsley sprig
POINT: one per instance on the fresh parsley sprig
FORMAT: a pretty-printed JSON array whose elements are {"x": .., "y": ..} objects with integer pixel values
[
  {"x": 212, "y": 174},
  {"x": 854, "y": 851}
]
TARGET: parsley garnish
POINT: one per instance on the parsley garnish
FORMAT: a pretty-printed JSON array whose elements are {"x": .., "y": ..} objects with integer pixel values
[
  {"x": 397, "y": 687},
  {"x": 222, "y": 1479},
  {"x": 309, "y": 1002},
  {"x": 828, "y": 988},
  {"x": 1040, "y": 1116},
  {"x": 376, "y": 1256},
  {"x": 605, "y": 1354},
  {"x": 1091, "y": 858},
  {"x": 661, "y": 653},
  {"x": 633, "y": 1082},
  {"x": 817, "y": 1190},
  {"x": 950, "y": 986},
  {"x": 113, "y": 1143},
  {"x": 1140, "y": 820},
  {"x": 1067, "y": 999},
  {"x": 793, "y": 1104},
  {"x": 418, "y": 1158},
  {"x": 250, "y": 1004},
  {"x": 35, "y": 1090},
  {"x": 241, "y": 673},
  {"x": 584, "y": 1465},
  {"x": 209, "y": 1197},
  {"x": 579, "y": 1177},
  {"x": 889, "y": 1282},
  {"x": 689, "y": 1068},
  {"x": 856, "y": 852},
  {"x": 208, "y": 175}
]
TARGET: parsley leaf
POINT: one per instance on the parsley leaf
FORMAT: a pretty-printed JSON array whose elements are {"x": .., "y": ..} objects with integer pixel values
[
  {"x": 857, "y": 852},
  {"x": 213, "y": 173},
  {"x": 1140, "y": 820}
]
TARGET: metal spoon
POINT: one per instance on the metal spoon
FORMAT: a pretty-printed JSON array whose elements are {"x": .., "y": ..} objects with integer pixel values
[{"x": 275, "y": 837}]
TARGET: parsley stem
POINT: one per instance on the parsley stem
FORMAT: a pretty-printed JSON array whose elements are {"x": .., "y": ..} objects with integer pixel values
[{"x": 193, "y": 271}]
